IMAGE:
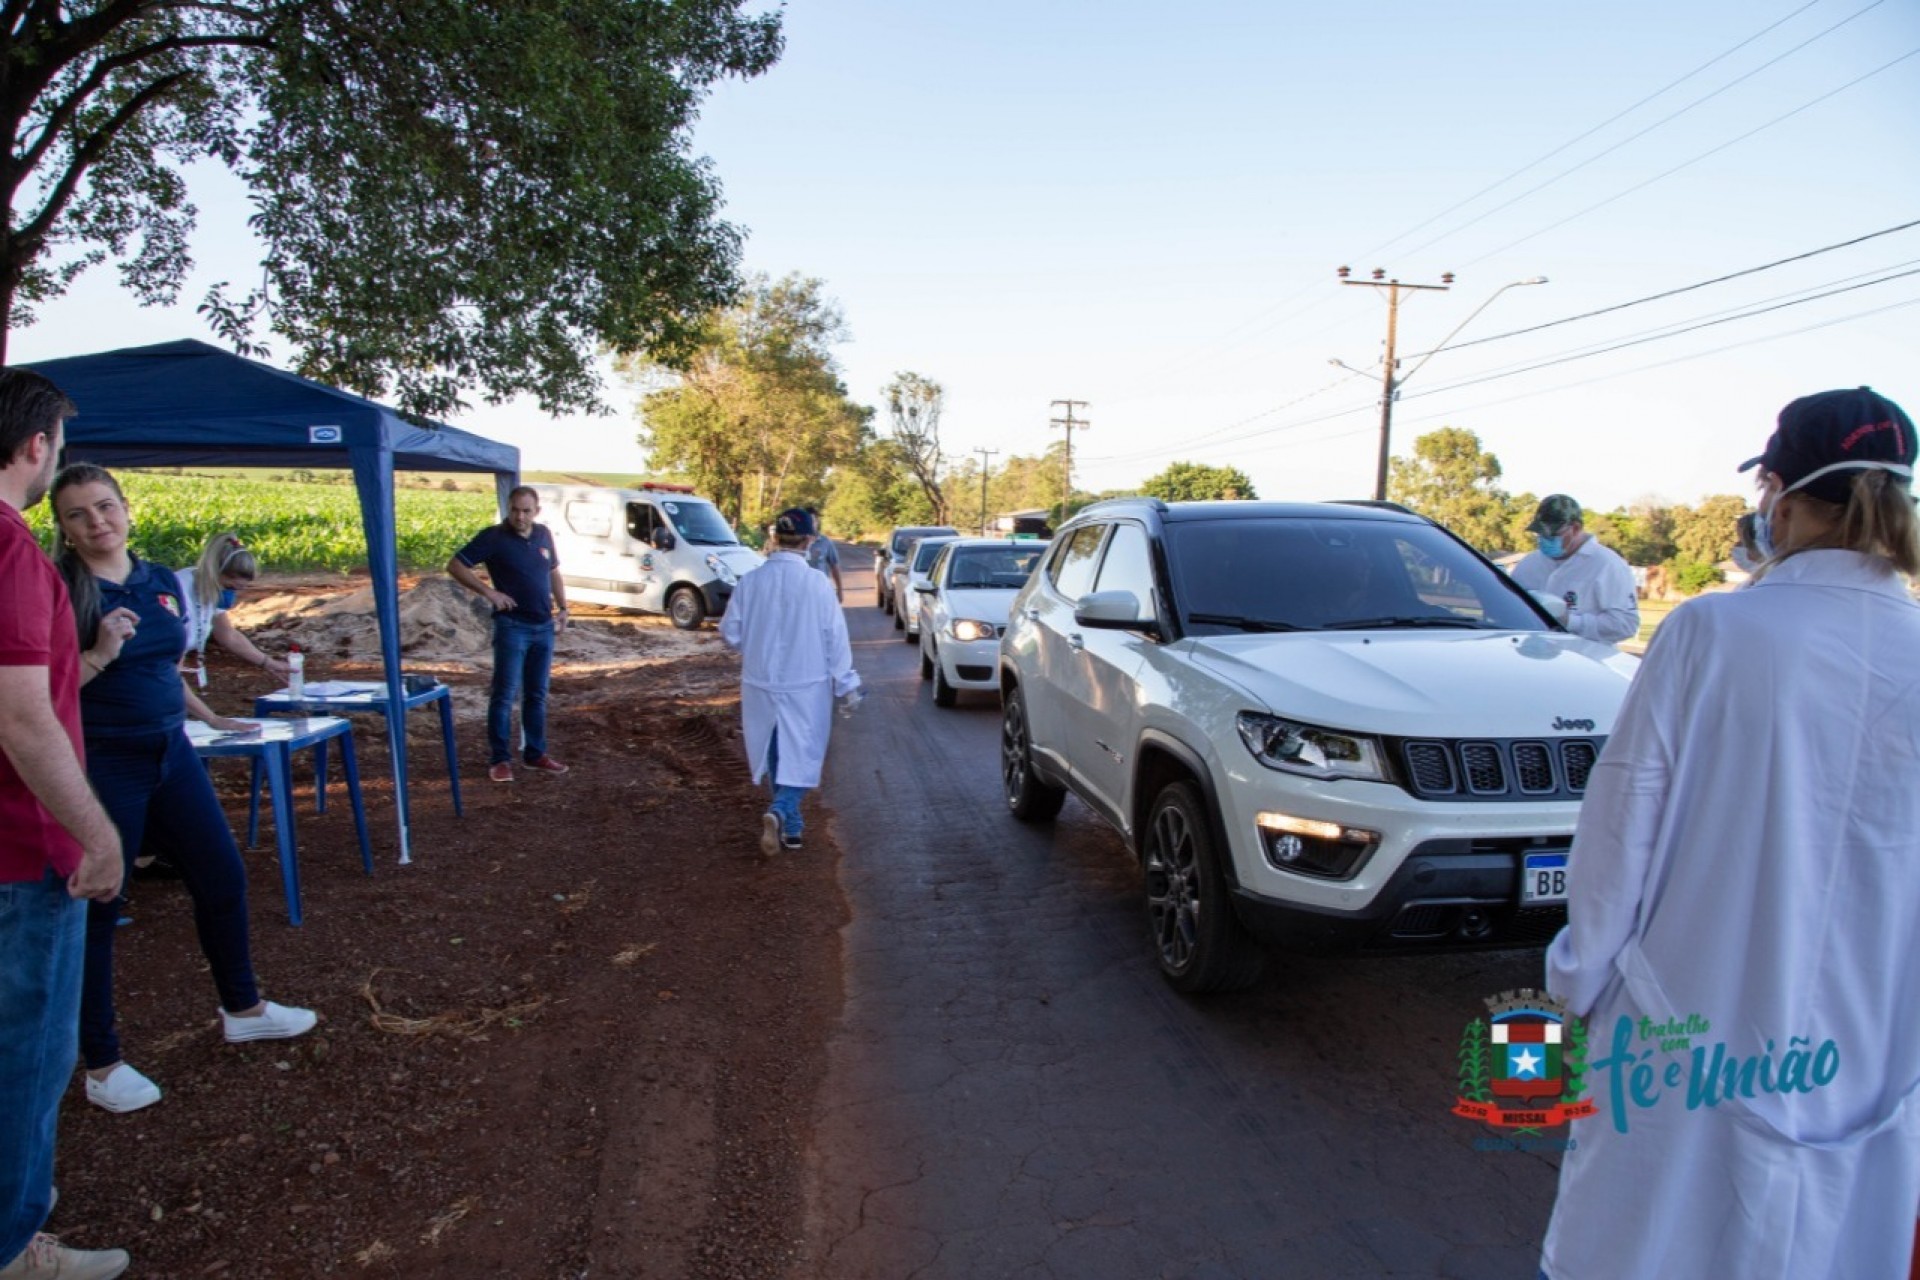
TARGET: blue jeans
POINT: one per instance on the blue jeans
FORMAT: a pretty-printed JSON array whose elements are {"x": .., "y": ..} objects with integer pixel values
[
  {"x": 786, "y": 800},
  {"x": 158, "y": 794},
  {"x": 522, "y": 660},
  {"x": 40, "y": 961}
]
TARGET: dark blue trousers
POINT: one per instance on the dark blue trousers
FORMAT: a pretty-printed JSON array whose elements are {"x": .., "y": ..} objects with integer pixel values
[{"x": 158, "y": 794}]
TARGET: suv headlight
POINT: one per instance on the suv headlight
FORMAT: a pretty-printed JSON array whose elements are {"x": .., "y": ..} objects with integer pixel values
[
  {"x": 1293, "y": 747},
  {"x": 968, "y": 629},
  {"x": 721, "y": 569}
]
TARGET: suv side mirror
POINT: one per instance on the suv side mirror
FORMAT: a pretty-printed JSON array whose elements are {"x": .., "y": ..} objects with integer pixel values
[
  {"x": 1113, "y": 611},
  {"x": 661, "y": 539}
]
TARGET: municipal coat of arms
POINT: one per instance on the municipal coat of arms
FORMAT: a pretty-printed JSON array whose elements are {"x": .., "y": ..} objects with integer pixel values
[{"x": 1524, "y": 1065}]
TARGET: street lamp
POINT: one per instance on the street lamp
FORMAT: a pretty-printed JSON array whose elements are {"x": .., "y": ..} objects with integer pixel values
[{"x": 1389, "y": 383}]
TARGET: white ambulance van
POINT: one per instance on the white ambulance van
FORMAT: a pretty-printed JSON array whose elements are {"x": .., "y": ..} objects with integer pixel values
[{"x": 660, "y": 549}]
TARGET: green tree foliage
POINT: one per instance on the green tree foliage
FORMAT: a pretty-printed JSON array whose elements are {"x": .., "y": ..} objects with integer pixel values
[
  {"x": 1193, "y": 482},
  {"x": 1643, "y": 534},
  {"x": 1451, "y": 479},
  {"x": 759, "y": 416},
  {"x": 1692, "y": 577},
  {"x": 1706, "y": 534},
  {"x": 449, "y": 193}
]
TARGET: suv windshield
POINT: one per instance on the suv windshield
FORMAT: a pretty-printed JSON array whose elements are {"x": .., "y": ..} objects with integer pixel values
[
  {"x": 700, "y": 523},
  {"x": 903, "y": 537},
  {"x": 980, "y": 568},
  {"x": 1328, "y": 574},
  {"x": 924, "y": 551}
]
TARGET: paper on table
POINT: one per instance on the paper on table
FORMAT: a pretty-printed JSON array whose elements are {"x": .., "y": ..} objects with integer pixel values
[{"x": 335, "y": 689}]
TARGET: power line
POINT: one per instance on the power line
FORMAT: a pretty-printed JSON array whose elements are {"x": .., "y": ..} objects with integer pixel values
[
  {"x": 1641, "y": 186},
  {"x": 1656, "y": 337},
  {"x": 1670, "y": 293},
  {"x": 1568, "y": 359},
  {"x": 1664, "y": 120},
  {"x": 1754, "y": 307},
  {"x": 1662, "y": 364},
  {"x": 1620, "y": 115}
]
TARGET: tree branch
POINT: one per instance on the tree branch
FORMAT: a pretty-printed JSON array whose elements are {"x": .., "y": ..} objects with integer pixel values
[
  {"x": 31, "y": 236},
  {"x": 64, "y": 112}
]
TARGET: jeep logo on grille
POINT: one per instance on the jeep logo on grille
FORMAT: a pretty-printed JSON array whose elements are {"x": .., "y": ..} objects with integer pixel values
[{"x": 1576, "y": 726}]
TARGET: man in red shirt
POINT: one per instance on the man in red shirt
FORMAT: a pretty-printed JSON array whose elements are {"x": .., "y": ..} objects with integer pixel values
[{"x": 60, "y": 848}]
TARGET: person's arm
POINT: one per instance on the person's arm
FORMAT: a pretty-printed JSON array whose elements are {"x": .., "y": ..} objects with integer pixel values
[
  {"x": 206, "y": 715},
  {"x": 1613, "y": 614},
  {"x": 467, "y": 578},
  {"x": 115, "y": 630},
  {"x": 839, "y": 588},
  {"x": 37, "y": 747},
  {"x": 558, "y": 585},
  {"x": 1620, "y": 819},
  {"x": 235, "y": 642}
]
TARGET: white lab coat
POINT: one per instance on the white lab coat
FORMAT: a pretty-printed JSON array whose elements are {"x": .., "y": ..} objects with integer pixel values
[
  {"x": 199, "y": 621},
  {"x": 1605, "y": 606},
  {"x": 1749, "y": 852},
  {"x": 792, "y": 639}
]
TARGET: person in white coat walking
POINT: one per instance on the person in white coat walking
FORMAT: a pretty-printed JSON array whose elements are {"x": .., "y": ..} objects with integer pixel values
[
  {"x": 1744, "y": 899},
  {"x": 795, "y": 661}
]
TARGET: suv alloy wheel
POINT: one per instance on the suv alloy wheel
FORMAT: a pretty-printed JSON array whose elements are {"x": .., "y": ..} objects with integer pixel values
[
  {"x": 1030, "y": 799},
  {"x": 1200, "y": 943}
]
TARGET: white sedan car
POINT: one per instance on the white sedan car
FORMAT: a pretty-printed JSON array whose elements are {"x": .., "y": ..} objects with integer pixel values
[{"x": 962, "y": 611}]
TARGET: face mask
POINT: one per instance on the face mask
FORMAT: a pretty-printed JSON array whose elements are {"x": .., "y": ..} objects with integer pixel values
[
  {"x": 1554, "y": 548},
  {"x": 1762, "y": 536}
]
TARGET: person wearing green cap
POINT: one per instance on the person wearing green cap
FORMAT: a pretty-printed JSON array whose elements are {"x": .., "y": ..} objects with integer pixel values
[{"x": 1591, "y": 586}]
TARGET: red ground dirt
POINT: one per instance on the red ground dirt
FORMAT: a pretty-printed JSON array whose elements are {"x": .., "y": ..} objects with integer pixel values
[{"x": 579, "y": 1036}]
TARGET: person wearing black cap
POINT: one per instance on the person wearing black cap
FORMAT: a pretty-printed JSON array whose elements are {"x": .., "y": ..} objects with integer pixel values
[
  {"x": 795, "y": 661},
  {"x": 1743, "y": 937},
  {"x": 1592, "y": 587}
]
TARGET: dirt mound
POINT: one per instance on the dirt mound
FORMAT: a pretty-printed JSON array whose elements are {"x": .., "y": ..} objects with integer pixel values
[{"x": 442, "y": 624}]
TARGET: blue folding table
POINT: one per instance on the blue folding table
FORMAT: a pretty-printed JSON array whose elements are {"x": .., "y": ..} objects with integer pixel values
[
  {"x": 271, "y": 748},
  {"x": 344, "y": 697}
]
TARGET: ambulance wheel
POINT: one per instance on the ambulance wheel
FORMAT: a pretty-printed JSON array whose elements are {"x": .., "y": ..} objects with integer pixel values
[{"x": 687, "y": 609}]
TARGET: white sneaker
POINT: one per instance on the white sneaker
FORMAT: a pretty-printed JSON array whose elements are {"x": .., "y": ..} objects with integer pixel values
[
  {"x": 275, "y": 1022},
  {"x": 769, "y": 834},
  {"x": 123, "y": 1090},
  {"x": 45, "y": 1258}
]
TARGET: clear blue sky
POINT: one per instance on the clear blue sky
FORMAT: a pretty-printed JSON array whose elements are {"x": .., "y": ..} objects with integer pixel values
[{"x": 1142, "y": 207}]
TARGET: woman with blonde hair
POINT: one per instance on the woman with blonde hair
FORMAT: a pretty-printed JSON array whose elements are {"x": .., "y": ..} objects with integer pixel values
[
  {"x": 131, "y": 618},
  {"x": 1743, "y": 936},
  {"x": 225, "y": 566}
]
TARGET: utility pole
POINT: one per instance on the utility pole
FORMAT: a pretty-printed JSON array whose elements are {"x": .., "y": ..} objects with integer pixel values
[
  {"x": 984, "y": 465},
  {"x": 1069, "y": 422},
  {"x": 1389, "y": 387}
]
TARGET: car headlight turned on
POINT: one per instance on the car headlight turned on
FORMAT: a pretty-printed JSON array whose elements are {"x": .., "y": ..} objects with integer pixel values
[
  {"x": 722, "y": 570},
  {"x": 1312, "y": 847},
  {"x": 968, "y": 629},
  {"x": 1302, "y": 748}
]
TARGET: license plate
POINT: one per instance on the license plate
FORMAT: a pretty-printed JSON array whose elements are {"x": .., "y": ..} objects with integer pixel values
[{"x": 1543, "y": 878}]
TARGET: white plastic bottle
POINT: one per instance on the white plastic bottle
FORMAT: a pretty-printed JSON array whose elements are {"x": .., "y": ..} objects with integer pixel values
[{"x": 296, "y": 672}]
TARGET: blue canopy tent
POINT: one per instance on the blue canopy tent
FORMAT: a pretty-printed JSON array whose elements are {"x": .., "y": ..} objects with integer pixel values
[{"x": 191, "y": 404}]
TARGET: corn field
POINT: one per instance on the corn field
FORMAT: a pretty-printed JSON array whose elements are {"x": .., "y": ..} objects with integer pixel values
[{"x": 289, "y": 526}]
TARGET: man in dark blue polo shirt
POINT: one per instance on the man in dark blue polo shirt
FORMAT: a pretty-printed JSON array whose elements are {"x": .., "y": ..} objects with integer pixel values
[{"x": 529, "y": 602}]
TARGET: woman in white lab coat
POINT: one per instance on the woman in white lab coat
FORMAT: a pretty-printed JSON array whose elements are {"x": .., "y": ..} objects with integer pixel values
[
  {"x": 786, "y": 622},
  {"x": 1744, "y": 899}
]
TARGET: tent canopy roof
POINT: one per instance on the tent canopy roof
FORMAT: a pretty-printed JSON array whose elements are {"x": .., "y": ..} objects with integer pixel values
[{"x": 188, "y": 403}]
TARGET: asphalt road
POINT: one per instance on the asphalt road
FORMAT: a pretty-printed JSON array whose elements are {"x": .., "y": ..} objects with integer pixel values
[{"x": 1014, "y": 1092}]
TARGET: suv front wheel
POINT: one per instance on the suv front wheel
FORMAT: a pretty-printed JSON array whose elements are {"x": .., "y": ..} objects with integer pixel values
[
  {"x": 1199, "y": 942},
  {"x": 1030, "y": 799}
]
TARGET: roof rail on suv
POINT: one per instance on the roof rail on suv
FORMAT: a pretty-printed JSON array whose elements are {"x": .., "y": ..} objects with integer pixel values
[
  {"x": 1380, "y": 503},
  {"x": 1104, "y": 503}
]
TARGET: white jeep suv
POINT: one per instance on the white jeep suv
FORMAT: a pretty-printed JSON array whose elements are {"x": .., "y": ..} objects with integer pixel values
[{"x": 1317, "y": 725}]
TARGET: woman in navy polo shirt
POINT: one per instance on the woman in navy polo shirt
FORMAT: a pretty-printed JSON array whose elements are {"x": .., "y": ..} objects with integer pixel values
[{"x": 131, "y": 620}]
